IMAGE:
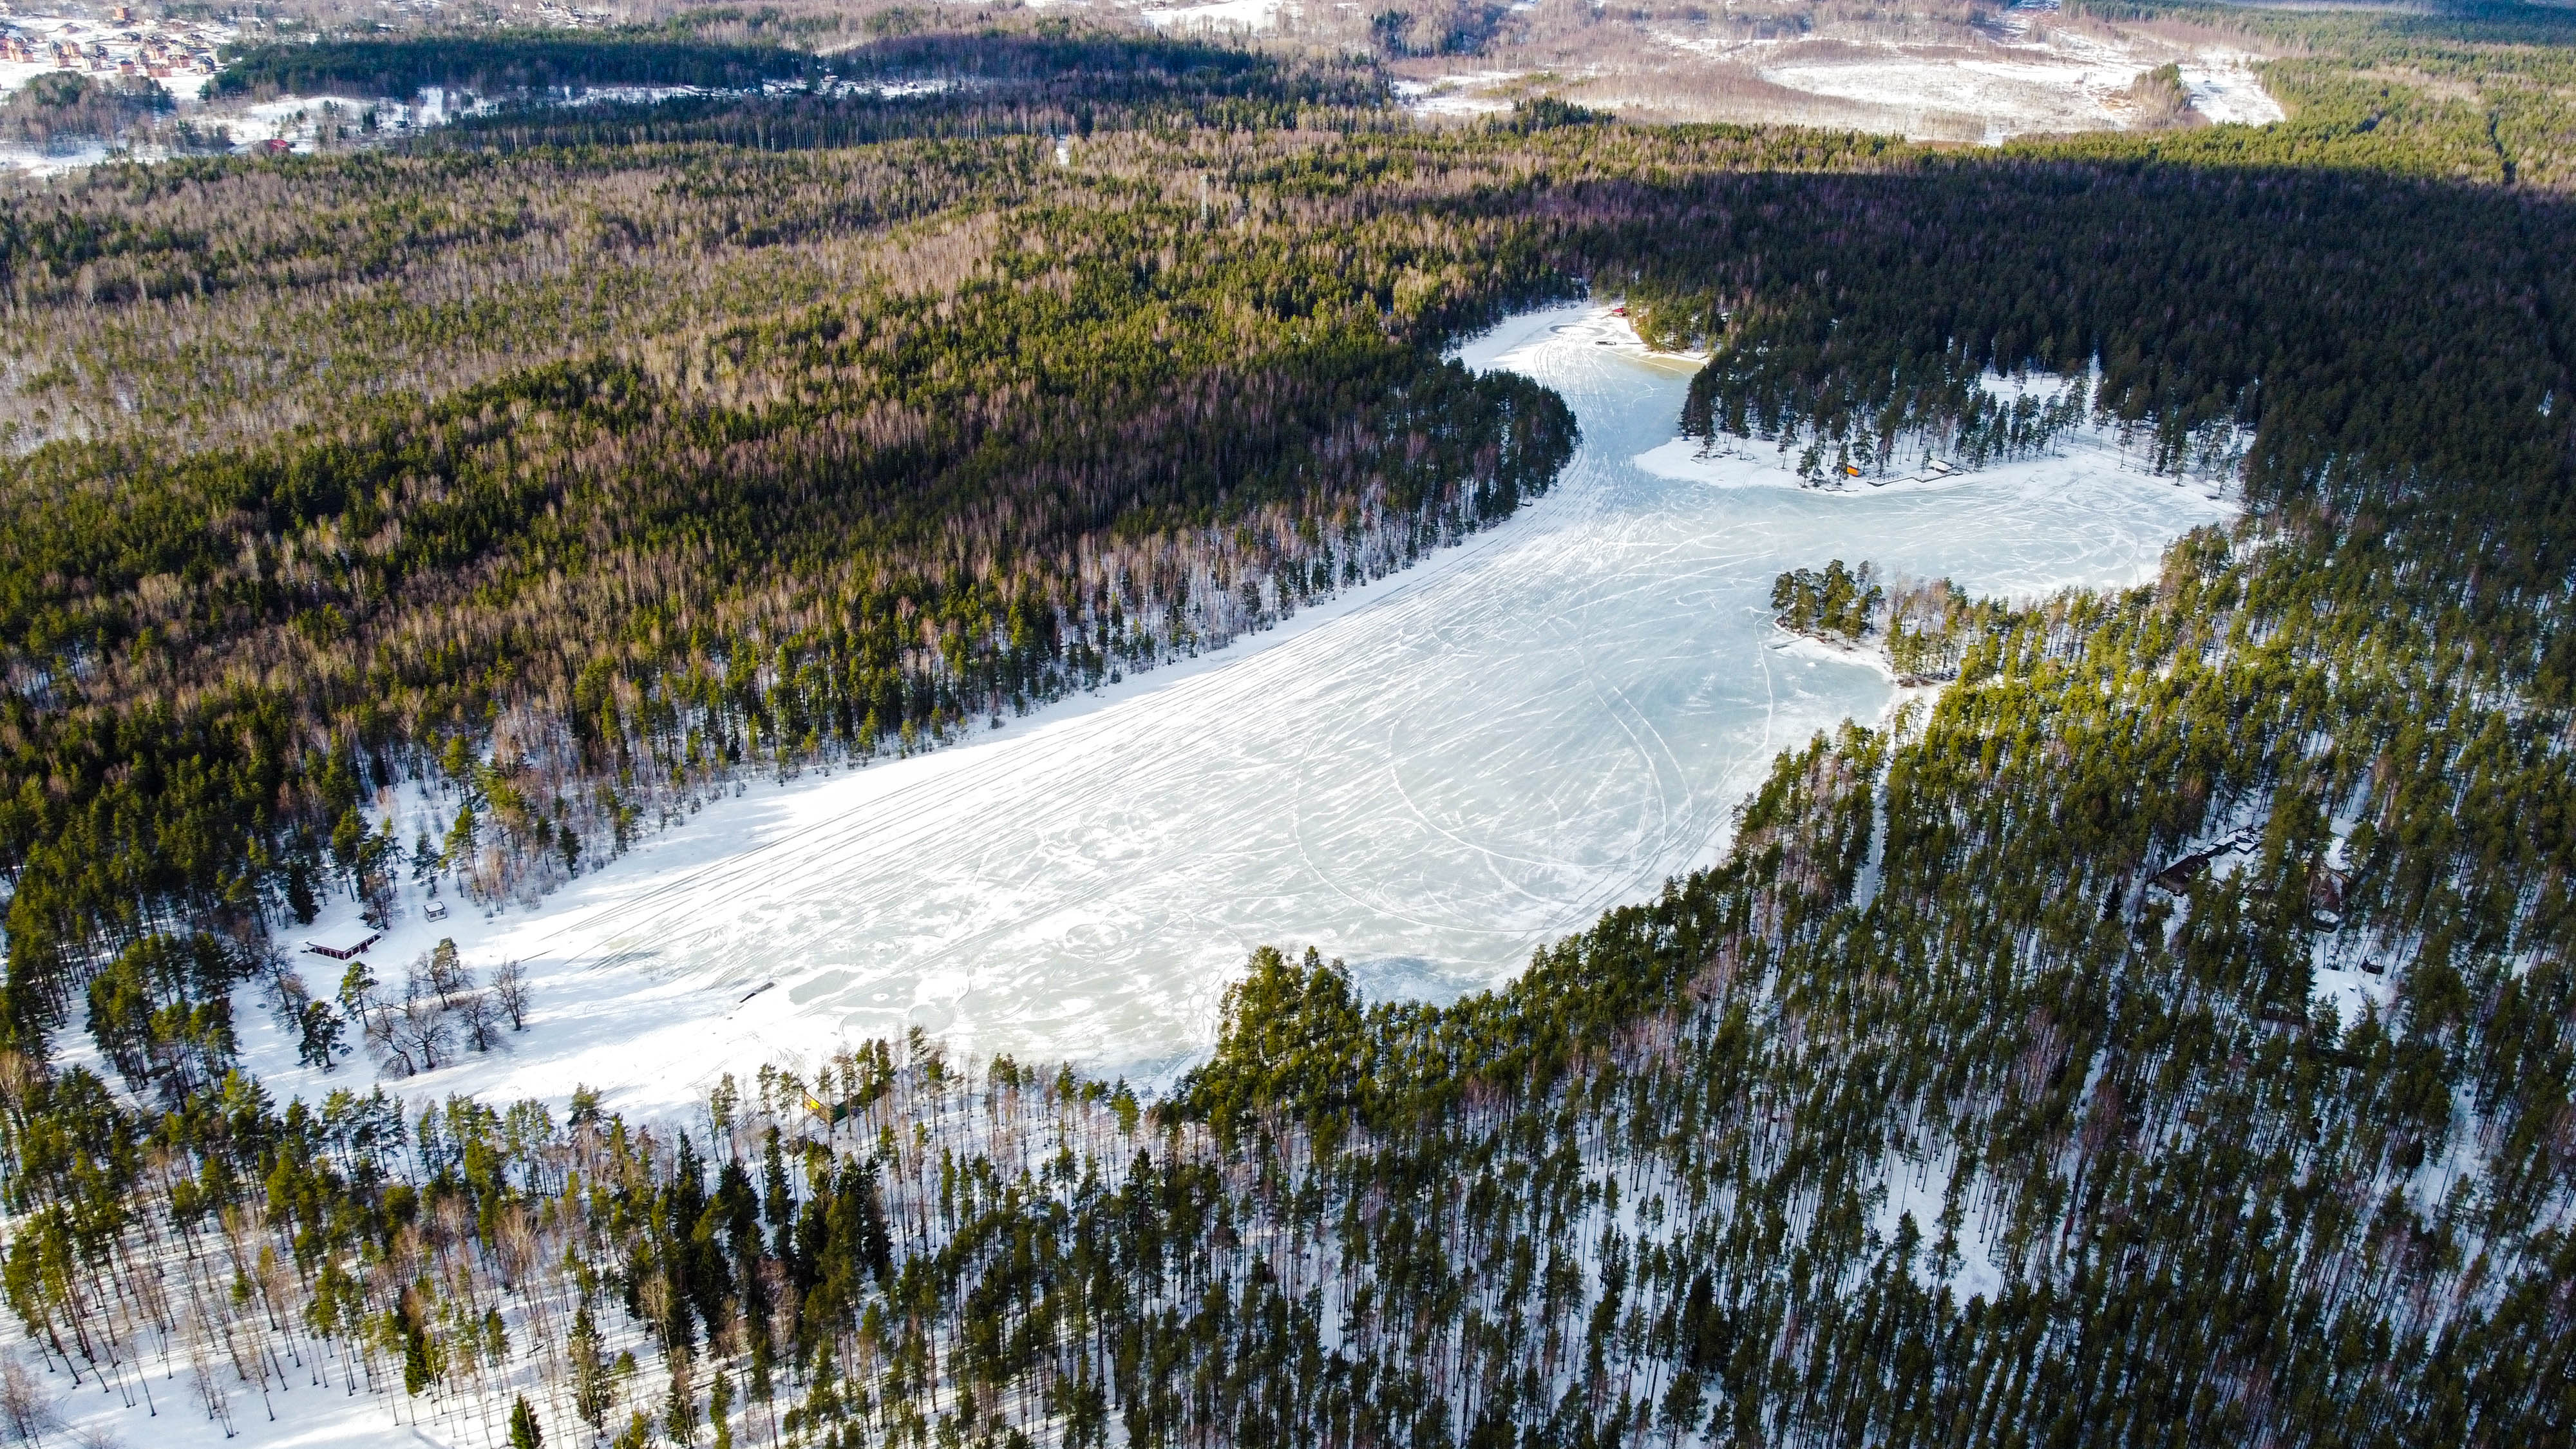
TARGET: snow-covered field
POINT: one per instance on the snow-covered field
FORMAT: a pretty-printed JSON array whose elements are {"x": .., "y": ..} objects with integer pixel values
[
  {"x": 1428, "y": 777},
  {"x": 2047, "y": 81},
  {"x": 2018, "y": 96},
  {"x": 1466, "y": 93},
  {"x": 1214, "y": 16}
]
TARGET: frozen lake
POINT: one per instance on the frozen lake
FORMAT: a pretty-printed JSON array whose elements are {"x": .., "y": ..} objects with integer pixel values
[{"x": 1428, "y": 778}]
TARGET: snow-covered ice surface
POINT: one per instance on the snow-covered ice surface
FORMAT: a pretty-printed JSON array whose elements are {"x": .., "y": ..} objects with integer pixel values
[{"x": 1429, "y": 777}]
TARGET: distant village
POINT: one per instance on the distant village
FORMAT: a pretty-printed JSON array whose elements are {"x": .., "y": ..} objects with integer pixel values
[
  {"x": 182, "y": 56},
  {"x": 126, "y": 43}
]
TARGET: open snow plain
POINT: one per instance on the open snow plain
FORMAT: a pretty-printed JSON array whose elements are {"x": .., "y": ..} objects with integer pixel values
[{"x": 1429, "y": 778}]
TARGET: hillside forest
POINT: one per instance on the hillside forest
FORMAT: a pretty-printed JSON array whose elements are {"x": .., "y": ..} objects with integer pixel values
[{"x": 576, "y": 463}]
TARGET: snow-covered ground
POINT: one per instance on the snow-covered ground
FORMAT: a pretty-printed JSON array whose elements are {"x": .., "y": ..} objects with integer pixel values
[
  {"x": 1745, "y": 463},
  {"x": 2060, "y": 82},
  {"x": 1428, "y": 777},
  {"x": 2019, "y": 96},
  {"x": 179, "y": 55},
  {"x": 1466, "y": 93},
  {"x": 141, "y": 1409},
  {"x": 1985, "y": 79},
  {"x": 1217, "y": 15},
  {"x": 2225, "y": 89},
  {"x": 2033, "y": 78}
]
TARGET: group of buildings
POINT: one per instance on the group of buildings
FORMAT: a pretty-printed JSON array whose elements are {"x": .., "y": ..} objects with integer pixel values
[{"x": 123, "y": 44}]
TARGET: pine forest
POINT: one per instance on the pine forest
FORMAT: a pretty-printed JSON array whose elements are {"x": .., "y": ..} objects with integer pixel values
[{"x": 576, "y": 462}]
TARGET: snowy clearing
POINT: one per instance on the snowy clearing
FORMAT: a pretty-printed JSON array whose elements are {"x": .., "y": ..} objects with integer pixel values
[
  {"x": 1468, "y": 93},
  {"x": 1219, "y": 15},
  {"x": 2039, "y": 88},
  {"x": 181, "y": 57},
  {"x": 2035, "y": 76},
  {"x": 1429, "y": 777},
  {"x": 1743, "y": 463}
]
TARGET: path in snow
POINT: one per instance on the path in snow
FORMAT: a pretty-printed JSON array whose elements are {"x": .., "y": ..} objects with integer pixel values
[{"x": 1429, "y": 778}]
